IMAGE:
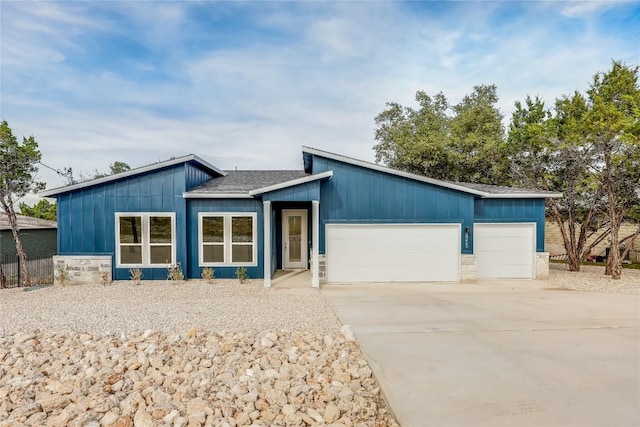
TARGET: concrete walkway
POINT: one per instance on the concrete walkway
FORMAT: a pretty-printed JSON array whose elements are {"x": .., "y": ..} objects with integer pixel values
[{"x": 498, "y": 354}]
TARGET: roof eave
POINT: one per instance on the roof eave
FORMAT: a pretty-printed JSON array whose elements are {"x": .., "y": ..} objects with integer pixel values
[
  {"x": 129, "y": 173},
  {"x": 292, "y": 183},
  {"x": 391, "y": 171},
  {"x": 198, "y": 195}
]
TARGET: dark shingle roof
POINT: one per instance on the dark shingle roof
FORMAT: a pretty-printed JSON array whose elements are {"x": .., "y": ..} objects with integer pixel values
[{"x": 240, "y": 182}]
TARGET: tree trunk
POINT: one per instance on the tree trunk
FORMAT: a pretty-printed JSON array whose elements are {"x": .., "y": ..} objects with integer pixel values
[
  {"x": 3, "y": 278},
  {"x": 13, "y": 222}
]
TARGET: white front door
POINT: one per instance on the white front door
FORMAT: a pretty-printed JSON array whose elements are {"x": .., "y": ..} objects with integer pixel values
[{"x": 294, "y": 239}]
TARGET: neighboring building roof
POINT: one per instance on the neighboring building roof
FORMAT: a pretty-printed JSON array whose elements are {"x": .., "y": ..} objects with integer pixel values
[
  {"x": 136, "y": 171},
  {"x": 482, "y": 190},
  {"x": 241, "y": 183},
  {"x": 26, "y": 223}
]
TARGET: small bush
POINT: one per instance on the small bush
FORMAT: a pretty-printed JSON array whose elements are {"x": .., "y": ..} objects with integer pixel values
[
  {"x": 63, "y": 274},
  {"x": 208, "y": 274},
  {"x": 241, "y": 274},
  {"x": 105, "y": 278},
  {"x": 136, "y": 275},
  {"x": 175, "y": 272}
]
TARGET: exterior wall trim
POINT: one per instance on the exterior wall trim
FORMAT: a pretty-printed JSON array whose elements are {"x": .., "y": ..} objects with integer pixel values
[{"x": 292, "y": 183}]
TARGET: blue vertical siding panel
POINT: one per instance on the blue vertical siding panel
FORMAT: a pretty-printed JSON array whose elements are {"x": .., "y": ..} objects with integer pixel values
[
  {"x": 513, "y": 210},
  {"x": 195, "y": 206},
  {"x": 389, "y": 199},
  {"x": 194, "y": 176},
  {"x": 299, "y": 193},
  {"x": 86, "y": 217}
]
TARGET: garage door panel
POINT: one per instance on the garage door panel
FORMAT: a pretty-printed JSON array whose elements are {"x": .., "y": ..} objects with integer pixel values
[
  {"x": 504, "y": 251},
  {"x": 507, "y": 230},
  {"x": 393, "y": 252},
  {"x": 497, "y": 244}
]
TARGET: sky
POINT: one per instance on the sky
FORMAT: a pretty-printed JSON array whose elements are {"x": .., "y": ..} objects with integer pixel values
[{"x": 246, "y": 84}]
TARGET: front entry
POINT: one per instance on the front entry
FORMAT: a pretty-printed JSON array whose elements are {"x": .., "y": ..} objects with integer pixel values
[{"x": 294, "y": 239}]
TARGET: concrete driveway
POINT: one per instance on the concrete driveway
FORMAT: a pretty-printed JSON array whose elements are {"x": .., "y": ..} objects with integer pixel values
[{"x": 498, "y": 354}]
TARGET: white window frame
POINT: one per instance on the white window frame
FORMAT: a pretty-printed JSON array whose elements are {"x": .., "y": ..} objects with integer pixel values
[
  {"x": 146, "y": 239},
  {"x": 227, "y": 244}
]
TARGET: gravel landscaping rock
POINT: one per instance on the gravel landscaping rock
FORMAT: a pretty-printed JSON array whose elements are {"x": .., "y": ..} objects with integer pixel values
[
  {"x": 593, "y": 279},
  {"x": 181, "y": 354}
]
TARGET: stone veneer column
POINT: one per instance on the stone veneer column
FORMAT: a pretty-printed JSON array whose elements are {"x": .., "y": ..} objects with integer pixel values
[
  {"x": 468, "y": 268},
  {"x": 542, "y": 265}
]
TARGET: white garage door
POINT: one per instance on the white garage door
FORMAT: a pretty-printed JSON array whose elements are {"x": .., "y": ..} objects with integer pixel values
[
  {"x": 393, "y": 253},
  {"x": 505, "y": 251}
]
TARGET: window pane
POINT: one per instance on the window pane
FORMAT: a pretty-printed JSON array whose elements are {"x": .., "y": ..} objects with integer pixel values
[
  {"x": 130, "y": 229},
  {"x": 242, "y": 229},
  {"x": 213, "y": 229},
  {"x": 130, "y": 254},
  {"x": 160, "y": 255},
  {"x": 241, "y": 253},
  {"x": 160, "y": 229},
  {"x": 213, "y": 253}
]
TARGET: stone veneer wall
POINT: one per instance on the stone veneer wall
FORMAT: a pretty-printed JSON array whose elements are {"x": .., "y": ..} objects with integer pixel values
[
  {"x": 542, "y": 265},
  {"x": 468, "y": 268},
  {"x": 322, "y": 268},
  {"x": 81, "y": 268}
]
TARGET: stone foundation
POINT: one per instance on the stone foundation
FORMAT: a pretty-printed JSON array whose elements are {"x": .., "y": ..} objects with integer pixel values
[
  {"x": 468, "y": 268},
  {"x": 542, "y": 265},
  {"x": 81, "y": 269}
]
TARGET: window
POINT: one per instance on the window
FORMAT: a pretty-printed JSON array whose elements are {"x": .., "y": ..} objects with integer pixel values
[
  {"x": 227, "y": 239},
  {"x": 145, "y": 239}
]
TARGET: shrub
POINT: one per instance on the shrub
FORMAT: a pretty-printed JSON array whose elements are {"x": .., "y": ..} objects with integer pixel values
[
  {"x": 241, "y": 274},
  {"x": 136, "y": 275},
  {"x": 175, "y": 272},
  {"x": 104, "y": 278},
  {"x": 63, "y": 274},
  {"x": 208, "y": 274}
]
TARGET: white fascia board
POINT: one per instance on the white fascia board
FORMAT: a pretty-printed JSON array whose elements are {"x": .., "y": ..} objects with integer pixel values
[
  {"x": 132, "y": 172},
  {"x": 292, "y": 183},
  {"x": 190, "y": 195},
  {"x": 524, "y": 196},
  {"x": 390, "y": 171},
  {"x": 421, "y": 178}
]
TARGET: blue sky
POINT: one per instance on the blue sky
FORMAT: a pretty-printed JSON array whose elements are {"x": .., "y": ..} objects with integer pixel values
[{"x": 246, "y": 84}]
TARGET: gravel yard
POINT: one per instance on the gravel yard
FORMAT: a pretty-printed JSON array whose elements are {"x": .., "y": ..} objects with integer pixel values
[
  {"x": 593, "y": 279},
  {"x": 178, "y": 354},
  {"x": 172, "y": 307}
]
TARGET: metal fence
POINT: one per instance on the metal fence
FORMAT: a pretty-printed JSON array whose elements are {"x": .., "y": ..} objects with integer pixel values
[{"x": 40, "y": 269}]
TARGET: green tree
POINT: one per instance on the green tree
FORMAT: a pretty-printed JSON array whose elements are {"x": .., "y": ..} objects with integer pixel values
[
  {"x": 547, "y": 151},
  {"x": 43, "y": 210},
  {"x": 17, "y": 178},
  {"x": 115, "y": 167},
  {"x": 614, "y": 135},
  {"x": 461, "y": 142},
  {"x": 588, "y": 148}
]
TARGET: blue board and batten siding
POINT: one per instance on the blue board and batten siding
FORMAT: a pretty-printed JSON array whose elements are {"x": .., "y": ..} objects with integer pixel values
[
  {"x": 195, "y": 207},
  {"x": 513, "y": 210},
  {"x": 360, "y": 195},
  {"x": 86, "y": 217}
]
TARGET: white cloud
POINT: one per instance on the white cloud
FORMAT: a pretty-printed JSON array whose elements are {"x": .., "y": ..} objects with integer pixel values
[
  {"x": 580, "y": 8},
  {"x": 253, "y": 102}
]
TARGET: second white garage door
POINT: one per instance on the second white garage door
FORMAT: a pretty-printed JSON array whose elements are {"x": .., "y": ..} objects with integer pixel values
[
  {"x": 505, "y": 251},
  {"x": 392, "y": 253}
]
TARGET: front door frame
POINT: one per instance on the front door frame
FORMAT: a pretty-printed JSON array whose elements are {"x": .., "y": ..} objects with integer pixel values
[{"x": 304, "y": 261}]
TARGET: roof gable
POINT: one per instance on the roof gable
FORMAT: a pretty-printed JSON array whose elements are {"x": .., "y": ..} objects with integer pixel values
[
  {"x": 191, "y": 158},
  {"x": 480, "y": 190}
]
